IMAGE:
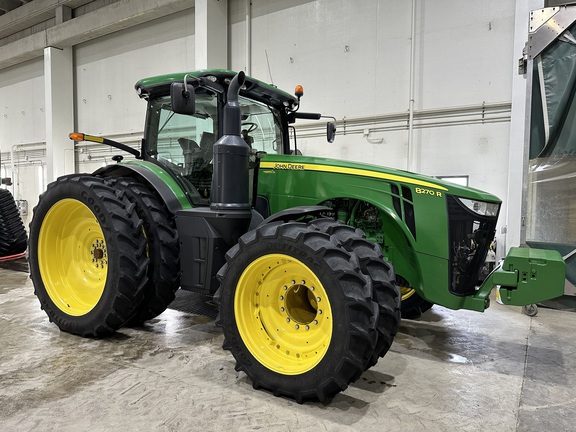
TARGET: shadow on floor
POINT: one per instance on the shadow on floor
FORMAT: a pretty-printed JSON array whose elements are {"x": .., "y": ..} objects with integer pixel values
[
  {"x": 194, "y": 303},
  {"x": 20, "y": 264}
]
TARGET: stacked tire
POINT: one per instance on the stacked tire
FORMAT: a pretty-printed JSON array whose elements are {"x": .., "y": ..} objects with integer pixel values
[{"x": 13, "y": 238}]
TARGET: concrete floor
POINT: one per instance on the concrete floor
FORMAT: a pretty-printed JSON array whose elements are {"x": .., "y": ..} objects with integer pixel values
[{"x": 449, "y": 371}]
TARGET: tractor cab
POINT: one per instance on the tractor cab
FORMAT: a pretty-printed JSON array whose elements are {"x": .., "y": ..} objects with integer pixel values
[{"x": 183, "y": 143}]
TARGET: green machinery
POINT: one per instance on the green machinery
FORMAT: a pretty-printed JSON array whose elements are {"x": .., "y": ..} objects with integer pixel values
[{"x": 310, "y": 259}]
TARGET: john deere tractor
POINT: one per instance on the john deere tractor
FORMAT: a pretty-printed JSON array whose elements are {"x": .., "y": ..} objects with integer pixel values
[{"x": 310, "y": 260}]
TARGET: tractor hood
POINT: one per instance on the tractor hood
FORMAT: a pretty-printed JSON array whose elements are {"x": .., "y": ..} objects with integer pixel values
[{"x": 318, "y": 164}]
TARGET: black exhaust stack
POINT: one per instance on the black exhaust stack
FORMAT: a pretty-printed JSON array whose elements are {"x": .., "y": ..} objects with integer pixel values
[
  {"x": 205, "y": 233},
  {"x": 230, "y": 189}
]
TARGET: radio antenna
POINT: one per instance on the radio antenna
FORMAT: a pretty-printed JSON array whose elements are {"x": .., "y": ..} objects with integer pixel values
[{"x": 268, "y": 63}]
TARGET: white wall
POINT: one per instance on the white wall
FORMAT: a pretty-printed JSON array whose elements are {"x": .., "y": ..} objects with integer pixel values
[
  {"x": 108, "y": 67},
  {"x": 22, "y": 104},
  {"x": 464, "y": 51},
  {"x": 352, "y": 59},
  {"x": 22, "y": 123},
  {"x": 106, "y": 103}
]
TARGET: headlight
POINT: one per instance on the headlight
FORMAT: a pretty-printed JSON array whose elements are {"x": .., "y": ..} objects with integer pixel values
[{"x": 482, "y": 208}]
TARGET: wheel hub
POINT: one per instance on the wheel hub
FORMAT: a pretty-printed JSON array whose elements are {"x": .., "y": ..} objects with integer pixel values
[
  {"x": 300, "y": 305},
  {"x": 283, "y": 314},
  {"x": 99, "y": 253}
]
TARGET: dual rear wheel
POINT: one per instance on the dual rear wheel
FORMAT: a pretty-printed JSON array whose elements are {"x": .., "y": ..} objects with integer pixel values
[{"x": 102, "y": 253}]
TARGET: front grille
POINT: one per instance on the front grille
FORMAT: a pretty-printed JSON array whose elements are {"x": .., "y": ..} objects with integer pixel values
[{"x": 470, "y": 236}]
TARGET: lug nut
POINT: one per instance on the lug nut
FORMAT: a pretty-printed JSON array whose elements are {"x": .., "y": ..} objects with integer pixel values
[
  {"x": 288, "y": 320},
  {"x": 297, "y": 326}
]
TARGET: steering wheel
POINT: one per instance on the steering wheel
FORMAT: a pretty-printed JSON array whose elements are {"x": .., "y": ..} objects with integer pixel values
[{"x": 251, "y": 126}]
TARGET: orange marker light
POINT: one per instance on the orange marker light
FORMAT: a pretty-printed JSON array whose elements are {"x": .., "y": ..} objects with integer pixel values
[
  {"x": 299, "y": 91},
  {"x": 76, "y": 136}
]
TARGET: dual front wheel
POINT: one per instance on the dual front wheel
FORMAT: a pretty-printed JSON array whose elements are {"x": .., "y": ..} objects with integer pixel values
[{"x": 306, "y": 308}]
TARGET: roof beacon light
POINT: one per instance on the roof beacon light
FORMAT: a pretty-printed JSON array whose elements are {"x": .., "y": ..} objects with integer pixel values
[{"x": 299, "y": 91}]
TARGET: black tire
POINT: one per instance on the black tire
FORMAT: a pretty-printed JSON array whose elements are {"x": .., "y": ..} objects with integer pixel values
[
  {"x": 329, "y": 345},
  {"x": 162, "y": 248},
  {"x": 87, "y": 256},
  {"x": 372, "y": 264},
  {"x": 413, "y": 305},
  {"x": 13, "y": 238}
]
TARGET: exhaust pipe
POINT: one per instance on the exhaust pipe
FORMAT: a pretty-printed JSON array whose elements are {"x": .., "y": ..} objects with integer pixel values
[
  {"x": 232, "y": 123},
  {"x": 230, "y": 182}
]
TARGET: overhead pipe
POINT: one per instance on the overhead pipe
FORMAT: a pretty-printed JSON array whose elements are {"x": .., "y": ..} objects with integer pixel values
[
  {"x": 429, "y": 118},
  {"x": 410, "y": 157},
  {"x": 17, "y": 148},
  {"x": 248, "y": 37}
]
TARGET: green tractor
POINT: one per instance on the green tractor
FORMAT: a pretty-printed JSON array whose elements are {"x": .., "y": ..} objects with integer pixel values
[{"x": 311, "y": 260}]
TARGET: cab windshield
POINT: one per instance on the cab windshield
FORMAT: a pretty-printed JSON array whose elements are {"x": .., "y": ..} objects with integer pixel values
[{"x": 184, "y": 143}]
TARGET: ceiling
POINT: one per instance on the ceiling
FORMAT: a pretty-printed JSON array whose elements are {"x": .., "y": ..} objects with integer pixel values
[{"x": 8, "y": 5}]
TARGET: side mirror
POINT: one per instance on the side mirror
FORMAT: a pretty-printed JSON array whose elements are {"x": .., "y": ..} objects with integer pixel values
[
  {"x": 183, "y": 98},
  {"x": 330, "y": 131}
]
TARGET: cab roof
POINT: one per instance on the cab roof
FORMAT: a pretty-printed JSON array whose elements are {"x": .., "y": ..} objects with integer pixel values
[{"x": 253, "y": 88}]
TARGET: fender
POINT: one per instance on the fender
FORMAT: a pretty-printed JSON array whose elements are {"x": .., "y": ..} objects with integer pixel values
[
  {"x": 172, "y": 195},
  {"x": 294, "y": 213}
]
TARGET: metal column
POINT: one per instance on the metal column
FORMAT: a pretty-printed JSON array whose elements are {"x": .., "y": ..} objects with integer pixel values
[
  {"x": 59, "y": 111},
  {"x": 211, "y": 46}
]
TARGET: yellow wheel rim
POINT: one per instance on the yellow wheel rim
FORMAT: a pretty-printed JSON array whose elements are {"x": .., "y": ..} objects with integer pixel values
[
  {"x": 283, "y": 314},
  {"x": 72, "y": 257},
  {"x": 406, "y": 292}
]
